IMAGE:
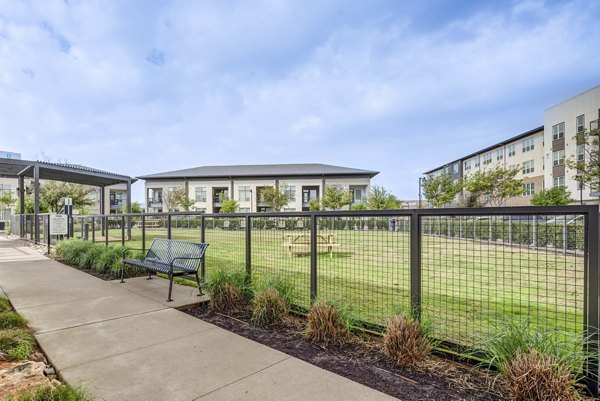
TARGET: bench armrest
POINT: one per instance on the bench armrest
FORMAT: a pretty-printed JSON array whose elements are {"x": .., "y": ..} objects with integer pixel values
[{"x": 125, "y": 250}]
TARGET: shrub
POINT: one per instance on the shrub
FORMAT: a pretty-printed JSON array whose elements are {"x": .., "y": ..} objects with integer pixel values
[
  {"x": 533, "y": 376},
  {"x": 92, "y": 254},
  {"x": 228, "y": 290},
  {"x": 110, "y": 261},
  {"x": 72, "y": 250},
  {"x": 516, "y": 346},
  {"x": 405, "y": 341},
  {"x": 16, "y": 344},
  {"x": 11, "y": 320},
  {"x": 268, "y": 308},
  {"x": 328, "y": 322},
  {"x": 283, "y": 286},
  {"x": 50, "y": 393}
]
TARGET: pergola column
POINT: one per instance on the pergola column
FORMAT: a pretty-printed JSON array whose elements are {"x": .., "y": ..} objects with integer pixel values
[
  {"x": 102, "y": 208},
  {"x": 129, "y": 209},
  {"x": 22, "y": 206},
  {"x": 36, "y": 201}
]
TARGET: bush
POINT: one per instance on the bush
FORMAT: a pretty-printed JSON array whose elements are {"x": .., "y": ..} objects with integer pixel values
[
  {"x": 328, "y": 323},
  {"x": 16, "y": 344},
  {"x": 533, "y": 376},
  {"x": 405, "y": 341},
  {"x": 109, "y": 261},
  {"x": 228, "y": 290},
  {"x": 91, "y": 256},
  {"x": 49, "y": 393},
  {"x": 11, "y": 320},
  {"x": 268, "y": 308},
  {"x": 516, "y": 346}
]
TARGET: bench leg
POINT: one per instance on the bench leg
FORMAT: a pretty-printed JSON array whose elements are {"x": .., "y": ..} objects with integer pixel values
[
  {"x": 199, "y": 287},
  {"x": 149, "y": 275},
  {"x": 170, "y": 287},
  {"x": 122, "y": 273}
]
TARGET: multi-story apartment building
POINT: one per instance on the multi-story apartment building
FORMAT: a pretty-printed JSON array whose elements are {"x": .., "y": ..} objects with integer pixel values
[
  {"x": 209, "y": 186},
  {"x": 540, "y": 153}
]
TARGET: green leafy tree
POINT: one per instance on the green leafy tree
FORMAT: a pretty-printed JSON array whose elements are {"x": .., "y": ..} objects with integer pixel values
[
  {"x": 52, "y": 194},
  {"x": 180, "y": 197},
  {"x": 380, "y": 199},
  {"x": 171, "y": 198},
  {"x": 441, "y": 189},
  {"x": 229, "y": 206},
  {"x": 7, "y": 200},
  {"x": 494, "y": 187},
  {"x": 136, "y": 207},
  {"x": 358, "y": 206},
  {"x": 275, "y": 197},
  {"x": 336, "y": 197},
  {"x": 556, "y": 196},
  {"x": 314, "y": 205},
  {"x": 588, "y": 169}
]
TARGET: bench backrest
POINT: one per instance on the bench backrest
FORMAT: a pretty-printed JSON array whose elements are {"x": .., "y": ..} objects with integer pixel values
[{"x": 164, "y": 250}]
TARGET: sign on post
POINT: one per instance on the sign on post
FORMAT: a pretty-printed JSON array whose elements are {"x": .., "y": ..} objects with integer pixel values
[{"x": 59, "y": 224}]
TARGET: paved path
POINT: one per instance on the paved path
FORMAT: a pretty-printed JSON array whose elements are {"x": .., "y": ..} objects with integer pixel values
[{"x": 123, "y": 342}]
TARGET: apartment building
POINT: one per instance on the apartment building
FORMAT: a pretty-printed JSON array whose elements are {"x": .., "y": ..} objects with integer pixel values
[
  {"x": 540, "y": 153},
  {"x": 209, "y": 186}
]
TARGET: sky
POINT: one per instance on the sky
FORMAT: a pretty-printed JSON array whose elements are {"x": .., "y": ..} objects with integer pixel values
[{"x": 139, "y": 87}]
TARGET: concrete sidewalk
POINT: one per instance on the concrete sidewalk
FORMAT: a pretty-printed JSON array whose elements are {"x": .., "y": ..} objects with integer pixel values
[{"x": 123, "y": 342}]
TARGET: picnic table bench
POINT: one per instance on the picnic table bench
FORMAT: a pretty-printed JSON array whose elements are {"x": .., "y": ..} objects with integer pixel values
[
  {"x": 170, "y": 257},
  {"x": 300, "y": 243},
  {"x": 151, "y": 223}
]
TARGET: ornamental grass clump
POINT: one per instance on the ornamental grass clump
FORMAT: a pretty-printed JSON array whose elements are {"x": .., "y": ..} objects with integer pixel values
[
  {"x": 16, "y": 344},
  {"x": 536, "y": 364},
  {"x": 269, "y": 307},
  {"x": 329, "y": 322},
  {"x": 405, "y": 341},
  {"x": 63, "y": 392},
  {"x": 228, "y": 289},
  {"x": 11, "y": 320}
]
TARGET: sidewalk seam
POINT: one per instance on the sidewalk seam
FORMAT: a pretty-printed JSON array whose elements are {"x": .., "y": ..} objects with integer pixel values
[{"x": 243, "y": 378}]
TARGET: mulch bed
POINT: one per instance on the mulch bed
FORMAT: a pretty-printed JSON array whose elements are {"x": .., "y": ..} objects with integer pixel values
[{"x": 362, "y": 361}]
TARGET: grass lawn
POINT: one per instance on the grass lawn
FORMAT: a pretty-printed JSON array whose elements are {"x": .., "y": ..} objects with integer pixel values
[{"x": 466, "y": 285}]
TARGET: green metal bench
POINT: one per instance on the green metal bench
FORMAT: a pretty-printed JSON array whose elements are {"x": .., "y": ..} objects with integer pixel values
[{"x": 170, "y": 257}]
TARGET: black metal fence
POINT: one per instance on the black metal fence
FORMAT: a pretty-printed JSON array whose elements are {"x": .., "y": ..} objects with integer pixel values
[{"x": 462, "y": 270}]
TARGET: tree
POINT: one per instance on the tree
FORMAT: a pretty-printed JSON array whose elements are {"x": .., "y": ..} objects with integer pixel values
[
  {"x": 556, "y": 196},
  {"x": 136, "y": 207},
  {"x": 335, "y": 197},
  {"x": 52, "y": 194},
  {"x": 229, "y": 206},
  {"x": 275, "y": 197},
  {"x": 358, "y": 206},
  {"x": 181, "y": 199},
  {"x": 380, "y": 198},
  {"x": 494, "y": 187},
  {"x": 171, "y": 198},
  {"x": 7, "y": 200},
  {"x": 441, "y": 189},
  {"x": 314, "y": 205},
  {"x": 588, "y": 166}
]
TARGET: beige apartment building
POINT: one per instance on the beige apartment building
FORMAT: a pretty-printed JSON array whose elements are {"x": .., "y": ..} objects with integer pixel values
[
  {"x": 209, "y": 186},
  {"x": 540, "y": 153}
]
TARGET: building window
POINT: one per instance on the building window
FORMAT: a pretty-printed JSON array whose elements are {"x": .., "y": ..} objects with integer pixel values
[
  {"x": 5, "y": 189},
  {"x": 200, "y": 194},
  {"x": 245, "y": 194},
  {"x": 558, "y": 157},
  {"x": 581, "y": 153},
  {"x": 455, "y": 168},
  {"x": 580, "y": 123},
  {"x": 558, "y": 131},
  {"x": 487, "y": 158},
  {"x": 529, "y": 189},
  {"x": 500, "y": 154},
  {"x": 528, "y": 167},
  {"x": 244, "y": 210},
  {"x": 467, "y": 165},
  {"x": 559, "y": 181},
  {"x": 291, "y": 191},
  {"x": 477, "y": 162},
  {"x": 528, "y": 144},
  {"x": 512, "y": 150}
]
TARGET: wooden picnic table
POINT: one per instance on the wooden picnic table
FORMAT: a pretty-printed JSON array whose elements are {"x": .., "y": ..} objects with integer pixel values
[{"x": 299, "y": 243}]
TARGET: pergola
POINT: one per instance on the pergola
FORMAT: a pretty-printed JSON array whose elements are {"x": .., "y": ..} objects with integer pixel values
[{"x": 73, "y": 173}]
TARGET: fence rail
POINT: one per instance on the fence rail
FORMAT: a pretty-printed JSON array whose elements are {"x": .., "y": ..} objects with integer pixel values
[{"x": 462, "y": 270}]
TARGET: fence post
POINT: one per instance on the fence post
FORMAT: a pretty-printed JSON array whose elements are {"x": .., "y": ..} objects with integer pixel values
[
  {"x": 592, "y": 366},
  {"x": 313, "y": 257},
  {"x": 48, "y": 235},
  {"x": 143, "y": 233},
  {"x": 248, "y": 248},
  {"x": 169, "y": 226},
  {"x": 105, "y": 219},
  {"x": 415, "y": 264},
  {"x": 123, "y": 230},
  {"x": 93, "y": 229},
  {"x": 203, "y": 240}
]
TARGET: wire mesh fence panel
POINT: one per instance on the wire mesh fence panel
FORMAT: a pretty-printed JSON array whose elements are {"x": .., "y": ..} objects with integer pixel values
[
  {"x": 478, "y": 271},
  {"x": 365, "y": 262},
  {"x": 280, "y": 247},
  {"x": 154, "y": 226},
  {"x": 226, "y": 237},
  {"x": 186, "y": 228}
]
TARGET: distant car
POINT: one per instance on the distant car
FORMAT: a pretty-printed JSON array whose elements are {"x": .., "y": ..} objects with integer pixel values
[{"x": 567, "y": 219}]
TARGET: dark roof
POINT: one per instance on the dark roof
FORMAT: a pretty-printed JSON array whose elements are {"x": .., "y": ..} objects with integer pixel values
[
  {"x": 506, "y": 141},
  {"x": 61, "y": 172},
  {"x": 261, "y": 170}
]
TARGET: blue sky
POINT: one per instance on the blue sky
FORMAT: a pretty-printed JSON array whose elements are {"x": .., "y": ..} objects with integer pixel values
[{"x": 139, "y": 87}]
